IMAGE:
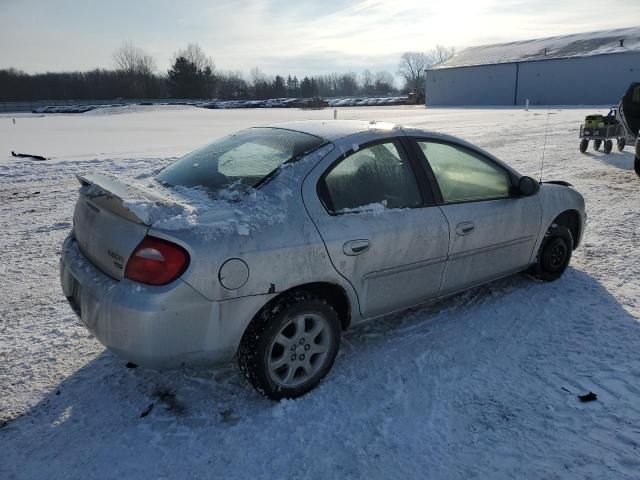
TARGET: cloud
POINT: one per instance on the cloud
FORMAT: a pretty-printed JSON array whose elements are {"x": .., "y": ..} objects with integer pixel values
[{"x": 282, "y": 36}]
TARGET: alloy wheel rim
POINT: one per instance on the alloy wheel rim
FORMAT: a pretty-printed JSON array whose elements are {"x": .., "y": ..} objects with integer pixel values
[
  {"x": 557, "y": 255},
  {"x": 299, "y": 350}
]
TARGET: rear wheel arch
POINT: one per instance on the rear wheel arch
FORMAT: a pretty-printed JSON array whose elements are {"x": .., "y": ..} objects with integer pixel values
[
  {"x": 331, "y": 293},
  {"x": 571, "y": 220}
]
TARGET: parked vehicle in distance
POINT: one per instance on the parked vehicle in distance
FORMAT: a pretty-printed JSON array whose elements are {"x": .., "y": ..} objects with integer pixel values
[
  {"x": 621, "y": 124},
  {"x": 629, "y": 113},
  {"x": 268, "y": 243}
]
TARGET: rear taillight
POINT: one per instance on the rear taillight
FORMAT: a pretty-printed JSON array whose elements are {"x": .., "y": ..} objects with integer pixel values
[{"x": 156, "y": 262}]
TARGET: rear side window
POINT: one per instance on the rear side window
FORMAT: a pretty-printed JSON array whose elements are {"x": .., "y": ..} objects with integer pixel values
[
  {"x": 464, "y": 175},
  {"x": 375, "y": 177}
]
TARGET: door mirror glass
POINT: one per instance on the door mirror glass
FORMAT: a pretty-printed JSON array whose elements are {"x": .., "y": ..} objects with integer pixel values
[{"x": 528, "y": 186}]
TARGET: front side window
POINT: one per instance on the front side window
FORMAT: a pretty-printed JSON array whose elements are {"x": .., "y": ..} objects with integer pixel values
[
  {"x": 240, "y": 160},
  {"x": 374, "y": 177},
  {"x": 464, "y": 175}
]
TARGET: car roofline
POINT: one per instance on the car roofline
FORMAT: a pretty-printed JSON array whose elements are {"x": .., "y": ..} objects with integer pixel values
[{"x": 275, "y": 127}]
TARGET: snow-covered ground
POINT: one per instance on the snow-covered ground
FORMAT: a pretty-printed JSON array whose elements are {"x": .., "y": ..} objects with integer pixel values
[{"x": 482, "y": 385}]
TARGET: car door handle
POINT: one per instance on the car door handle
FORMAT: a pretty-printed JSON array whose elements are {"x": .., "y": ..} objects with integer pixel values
[
  {"x": 465, "y": 228},
  {"x": 356, "y": 247}
]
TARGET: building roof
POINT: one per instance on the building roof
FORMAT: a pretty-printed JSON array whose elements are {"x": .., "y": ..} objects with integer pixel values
[{"x": 565, "y": 46}]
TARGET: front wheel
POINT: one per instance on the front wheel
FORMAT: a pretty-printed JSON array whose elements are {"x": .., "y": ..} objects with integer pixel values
[
  {"x": 555, "y": 254},
  {"x": 636, "y": 164},
  {"x": 290, "y": 346},
  {"x": 597, "y": 144},
  {"x": 622, "y": 142},
  {"x": 584, "y": 143},
  {"x": 608, "y": 146}
]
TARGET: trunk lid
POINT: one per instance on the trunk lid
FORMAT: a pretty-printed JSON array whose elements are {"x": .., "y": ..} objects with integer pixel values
[{"x": 107, "y": 231}]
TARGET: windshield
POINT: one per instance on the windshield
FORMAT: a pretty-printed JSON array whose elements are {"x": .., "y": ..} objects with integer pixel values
[{"x": 240, "y": 160}]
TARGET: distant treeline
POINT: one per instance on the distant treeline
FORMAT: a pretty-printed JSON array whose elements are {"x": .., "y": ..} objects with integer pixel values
[
  {"x": 102, "y": 84},
  {"x": 193, "y": 75},
  {"x": 94, "y": 85}
]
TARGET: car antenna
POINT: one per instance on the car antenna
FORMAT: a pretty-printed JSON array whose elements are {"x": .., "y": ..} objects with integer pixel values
[{"x": 546, "y": 130}]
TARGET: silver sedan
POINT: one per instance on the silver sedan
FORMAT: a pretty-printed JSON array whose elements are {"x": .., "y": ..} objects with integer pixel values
[{"x": 270, "y": 242}]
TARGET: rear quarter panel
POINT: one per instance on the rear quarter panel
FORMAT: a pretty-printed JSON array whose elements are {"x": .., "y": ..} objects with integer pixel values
[{"x": 279, "y": 244}]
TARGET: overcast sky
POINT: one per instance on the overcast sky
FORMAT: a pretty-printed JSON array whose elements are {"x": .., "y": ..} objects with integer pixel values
[{"x": 283, "y": 36}]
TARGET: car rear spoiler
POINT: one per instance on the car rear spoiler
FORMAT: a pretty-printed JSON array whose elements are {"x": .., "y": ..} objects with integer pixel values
[{"x": 120, "y": 198}]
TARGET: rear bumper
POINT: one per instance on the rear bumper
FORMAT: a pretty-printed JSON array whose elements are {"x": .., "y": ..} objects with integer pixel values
[{"x": 154, "y": 327}]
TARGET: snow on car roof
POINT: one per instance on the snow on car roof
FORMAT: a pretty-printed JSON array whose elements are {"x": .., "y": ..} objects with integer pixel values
[
  {"x": 333, "y": 129},
  {"x": 565, "y": 46}
]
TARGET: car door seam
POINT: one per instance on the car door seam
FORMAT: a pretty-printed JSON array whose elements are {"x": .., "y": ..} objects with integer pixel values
[
  {"x": 313, "y": 222},
  {"x": 444, "y": 270}
]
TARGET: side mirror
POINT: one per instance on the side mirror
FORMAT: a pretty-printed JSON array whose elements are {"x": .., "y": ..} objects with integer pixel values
[{"x": 527, "y": 186}]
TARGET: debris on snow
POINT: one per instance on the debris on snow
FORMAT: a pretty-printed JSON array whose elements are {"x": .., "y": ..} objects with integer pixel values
[
  {"x": 27, "y": 155},
  {"x": 588, "y": 397},
  {"x": 147, "y": 410}
]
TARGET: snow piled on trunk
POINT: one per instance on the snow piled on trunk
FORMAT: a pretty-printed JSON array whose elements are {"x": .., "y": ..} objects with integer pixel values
[
  {"x": 244, "y": 210},
  {"x": 481, "y": 385}
]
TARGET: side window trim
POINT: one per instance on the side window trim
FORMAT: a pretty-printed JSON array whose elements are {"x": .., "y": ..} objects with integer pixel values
[
  {"x": 429, "y": 194},
  {"x": 399, "y": 144},
  {"x": 425, "y": 167},
  {"x": 432, "y": 177}
]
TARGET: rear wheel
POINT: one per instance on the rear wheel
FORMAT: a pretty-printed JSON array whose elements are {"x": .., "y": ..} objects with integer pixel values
[
  {"x": 290, "y": 346},
  {"x": 608, "y": 146},
  {"x": 584, "y": 143},
  {"x": 636, "y": 164},
  {"x": 621, "y": 143},
  {"x": 554, "y": 255},
  {"x": 597, "y": 144}
]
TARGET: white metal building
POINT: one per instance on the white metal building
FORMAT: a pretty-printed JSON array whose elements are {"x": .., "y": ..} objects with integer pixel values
[{"x": 582, "y": 69}]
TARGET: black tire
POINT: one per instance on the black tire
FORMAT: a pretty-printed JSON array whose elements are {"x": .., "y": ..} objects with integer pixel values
[
  {"x": 554, "y": 255},
  {"x": 259, "y": 342},
  {"x": 636, "y": 164},
  {"x": 597, "y": 144},
  {"x": 622, "y": 142},
  {"x": 608, "y": 146},
  {"x": 584, "y": 144}
]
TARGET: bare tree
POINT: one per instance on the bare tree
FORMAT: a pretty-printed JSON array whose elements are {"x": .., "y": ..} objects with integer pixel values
[
  {"x": 442, "y": 53},
  {"x": 133, "y": 60},
  {"x": 412, "y": 68},
  {"x": 257, "y": 76},
  {"x": 260, "y": 84},
  {"x": 195, "y": 55},
  {"x": 232, "y": 85},
  {"x": 367, "y": 82},
  {"x": 413, "y": 65},
  {"x": 383, "y": 82}
]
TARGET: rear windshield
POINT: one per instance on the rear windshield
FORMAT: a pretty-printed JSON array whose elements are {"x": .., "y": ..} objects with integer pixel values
[{"x": 238, "y": 161}]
